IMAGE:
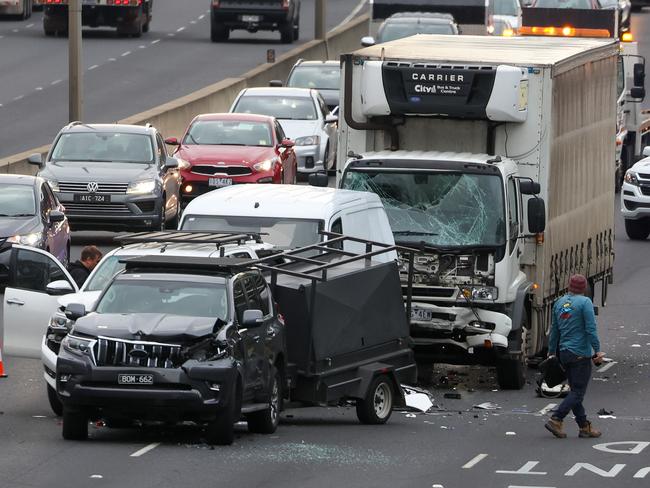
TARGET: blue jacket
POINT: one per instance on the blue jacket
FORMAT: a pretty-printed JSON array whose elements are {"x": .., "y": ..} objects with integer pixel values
[{"x": 574, "y": 325}]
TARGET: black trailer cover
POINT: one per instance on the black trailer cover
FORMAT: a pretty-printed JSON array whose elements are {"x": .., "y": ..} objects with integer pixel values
[
  {"x": 357, "y": 308},
  {"x": 464, "y": 11}
]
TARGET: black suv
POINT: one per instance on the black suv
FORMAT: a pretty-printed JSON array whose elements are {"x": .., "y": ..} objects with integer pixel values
[
  {"x": 113, "y": 177},
  {"x": 254, "y": 15},
  {"x": 175, "y": 339}
]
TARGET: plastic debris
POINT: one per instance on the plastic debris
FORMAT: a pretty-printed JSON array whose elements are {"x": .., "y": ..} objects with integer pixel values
[
  {"x": 487, "y": 406},
  {"x": 635, "y": 345},
  {"x": 511, "y": 433},
  {"x": 96, "y": 476},
  {"x": 417, "y": 398},
  {"x": 602, "y": 411},
  {"x": 453, "y": 396},
  {"x": 39, "y": 417},
  {"x": 410, "y": 415},
  {"x": 437, "y": 486},
  {"x": 607, "y": 416}
]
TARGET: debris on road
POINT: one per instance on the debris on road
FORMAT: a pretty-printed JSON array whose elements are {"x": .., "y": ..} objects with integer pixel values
[
  {"x": 511, "y": 433},
  {"x": 602, "y": 411},
  {"x": 410, "y": 415},
  {"x": 487, "y": 406},
  {"x": 453, "y": 396},
  {"x": 417, "y": 398}
]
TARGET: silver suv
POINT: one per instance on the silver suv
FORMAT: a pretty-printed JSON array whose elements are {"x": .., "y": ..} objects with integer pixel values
[{"x": 113, "y": 177}]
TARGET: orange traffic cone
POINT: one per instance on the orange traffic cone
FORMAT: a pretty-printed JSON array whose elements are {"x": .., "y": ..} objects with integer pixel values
[{"x": 2, "y": 368}]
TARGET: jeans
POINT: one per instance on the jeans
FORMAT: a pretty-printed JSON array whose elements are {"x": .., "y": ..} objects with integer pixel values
[{"x": 578, "y": 371}]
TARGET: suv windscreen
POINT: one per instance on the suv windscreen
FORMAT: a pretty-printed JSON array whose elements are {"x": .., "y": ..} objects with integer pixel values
[
  {"x": 103, "y": 147},
  {"x": 229, "y": 133},
  {"x": 188, "y": 299},
  {"x": 105, "y": 271},
  {"x": 391, "y": 31},
  {"x": 285, "y": 108},
  {"x": 319, "y": 77},
  {"x": 17, "y": 200},
  {"x": 281, "y": 232}
]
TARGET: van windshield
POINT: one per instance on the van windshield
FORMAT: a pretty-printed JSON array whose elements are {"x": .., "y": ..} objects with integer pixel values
[{"x": 281, "y": 232}]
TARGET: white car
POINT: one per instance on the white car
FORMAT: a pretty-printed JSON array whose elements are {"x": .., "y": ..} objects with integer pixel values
[
  {"x": 304, "y": 117},
  {"x": 41, "y": 288},
  {"x": 635, "y": 199}
]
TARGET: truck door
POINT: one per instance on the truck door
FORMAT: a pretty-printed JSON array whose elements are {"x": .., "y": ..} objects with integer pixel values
[
  {"x": 514, "y": 248},
  {"x": 27, "y": 306}
]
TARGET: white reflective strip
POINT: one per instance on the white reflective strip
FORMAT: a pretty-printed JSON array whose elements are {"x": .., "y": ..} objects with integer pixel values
[
  {"x": 475, "y": 461},
  {"x": 606, "y": 367},
  {"x": 145, "y": 449}
]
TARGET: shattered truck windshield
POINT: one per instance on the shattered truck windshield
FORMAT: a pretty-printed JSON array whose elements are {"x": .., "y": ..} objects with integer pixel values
[{"x": 441, "y": 209}]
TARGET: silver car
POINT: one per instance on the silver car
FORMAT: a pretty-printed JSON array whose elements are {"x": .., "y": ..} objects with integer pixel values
[{"x": 304, "y": 117}]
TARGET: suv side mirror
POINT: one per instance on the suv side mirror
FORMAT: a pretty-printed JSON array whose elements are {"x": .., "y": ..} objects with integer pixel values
[
  {"x": 536, "y": 215},
  {"x": 59, "y": 287},
  {"x": 252, "y": 318},
  {"x": 56, "y": 216},
  {"x": 171, "y": 162},
  {"x": 172, "y": 141},
  {"x": 639, "y": 74},
  {"x": 319, "y": 179},
  {"x": 275, "y": 83},
  {"x": 35, "y": 159},
  {"x": 368, "y": 41},
  {"x": 287, "y": 143},
  {"x": 75, "y": 311}
]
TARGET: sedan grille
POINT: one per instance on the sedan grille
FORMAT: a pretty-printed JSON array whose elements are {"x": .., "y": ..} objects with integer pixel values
[
  {"x": 96, "y": 208},
  {"x": 117, "y": 352},
  {"x": 209, "y": 170},
  {"x": 82, "y": 187}
]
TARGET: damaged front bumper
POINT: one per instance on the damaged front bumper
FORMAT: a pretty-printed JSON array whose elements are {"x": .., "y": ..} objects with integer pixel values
[{"x": 432, "y": 325}]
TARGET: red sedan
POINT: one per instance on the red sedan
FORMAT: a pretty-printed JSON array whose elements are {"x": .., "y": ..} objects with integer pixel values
[{"x": 220, "y": 150}]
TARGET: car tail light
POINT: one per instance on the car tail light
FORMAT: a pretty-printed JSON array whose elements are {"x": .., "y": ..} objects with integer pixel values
[
  {"x": 126, "y": 3},
  {"x": 55, "y": 2}
]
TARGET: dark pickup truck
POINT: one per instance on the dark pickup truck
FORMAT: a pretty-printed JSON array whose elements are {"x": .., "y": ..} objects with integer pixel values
[
  {"x": 130, "y": 17},
  {"x": 255, "y": 15},
  {"x": 212, "y": 340}
]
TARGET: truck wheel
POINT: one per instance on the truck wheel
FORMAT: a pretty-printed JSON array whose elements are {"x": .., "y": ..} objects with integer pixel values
[
  {"x": 219, "y": 32},
  {"x": 266, "y": 421},
  {"x": 286, "y": 33},
  {"x": 221, "y": 431},
  {"x": 377, "y": 406},
  {"x": 425, "y": 373},
  {"x": 637, "y": 230},
  {"x": 55, "y": 401},
  {"x": 75, "y": 425}
]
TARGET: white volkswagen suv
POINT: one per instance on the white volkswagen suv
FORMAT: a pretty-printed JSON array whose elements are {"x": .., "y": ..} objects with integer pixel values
[{"x": 635, "y": 199}]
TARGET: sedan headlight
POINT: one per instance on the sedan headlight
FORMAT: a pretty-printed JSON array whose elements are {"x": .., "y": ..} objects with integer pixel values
[
  {"x": 32, "y": 239},
  {"x": 265, "y": 165},
  {"x": 479, "y": 293},
  {"x": 308, "y": 141},
  {"x": 78, "y": 345},
  {"x": 631, "y": 178},
  {"x": 141, "y": 187}
]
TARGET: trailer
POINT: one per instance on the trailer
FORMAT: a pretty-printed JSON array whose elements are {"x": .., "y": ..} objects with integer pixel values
[{"x": 493, "y": 156}]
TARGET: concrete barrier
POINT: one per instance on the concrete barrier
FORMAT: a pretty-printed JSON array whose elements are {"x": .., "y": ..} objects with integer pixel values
[{"x": 172, "y": 118}]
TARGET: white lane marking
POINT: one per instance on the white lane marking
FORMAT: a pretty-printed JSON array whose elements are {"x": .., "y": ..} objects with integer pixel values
[
  {"x": 56, "y": 82},
  {"x": 202, "y": 16},
  {"x": 473, "y": 462},
  {"x": 39, "y": 88},
  {"x": 525, "y": 469},
  {"x": 353, "y": 14},
  {"x": 110, "y": 60},
  {"x": 142, "y": 46},
  {"x": 548, "y": 408},
  {"x": 19, "y": 97},
  {"x": 15, "y": 30},
  {"x": 29, "y": 26},
  {"x": 145, "y": 449},
  {"x": 606, "y": 367},
  {"x": 94, "y": 66},
  {"x": 125, "y": 53},
  {"x": 180, "y": 29},
  {"x": 155, "y": 41},
  {"x": 192, "y": 22},
  {"x": 528, "y": 486},
  {"x": 171, "y": 34}
]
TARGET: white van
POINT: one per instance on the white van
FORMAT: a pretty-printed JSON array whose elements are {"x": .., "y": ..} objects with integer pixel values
[{"x": 291, "y": 216}]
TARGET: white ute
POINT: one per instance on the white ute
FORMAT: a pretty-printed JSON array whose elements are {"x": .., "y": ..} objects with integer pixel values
[{"x": 635, "y": 199}]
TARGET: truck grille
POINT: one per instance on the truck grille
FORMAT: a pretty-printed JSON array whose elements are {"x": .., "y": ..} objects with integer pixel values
[
  {"x": 209, "y": 170},
  {"x": 117, "y": 352},
  {"x": 96, "y": 208},
  {"x": 430, "y": 292},
  {"x": 82, "y": 187}
]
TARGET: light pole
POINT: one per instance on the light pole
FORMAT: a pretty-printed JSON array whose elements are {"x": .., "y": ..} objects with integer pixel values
[
  {"x": 75, "y": 75},
  {"x": 319, "y": 16}
]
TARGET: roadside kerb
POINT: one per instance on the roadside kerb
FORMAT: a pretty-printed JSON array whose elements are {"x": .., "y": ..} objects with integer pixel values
[{"x": 172, "y": 118}]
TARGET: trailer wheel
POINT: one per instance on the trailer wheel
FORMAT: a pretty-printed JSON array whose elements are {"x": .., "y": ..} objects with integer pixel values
[
  {"x": 266, "y": 421},
  {"x": 55, "y": 401},
  {"x": 75, "y": 425},
  {"x": 637, "y": 230},
  {"x": 377, "y": 406}
]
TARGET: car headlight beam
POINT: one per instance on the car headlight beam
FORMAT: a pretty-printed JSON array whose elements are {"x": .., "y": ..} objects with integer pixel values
[
  {"x": 141, "y": 187},
  {"x": 308, "y": 141},
  {"x": 265, "y": 165}
]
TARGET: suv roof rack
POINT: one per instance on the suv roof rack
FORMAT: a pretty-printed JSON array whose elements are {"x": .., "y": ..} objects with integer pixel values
[{"x": 219, "y": 238}]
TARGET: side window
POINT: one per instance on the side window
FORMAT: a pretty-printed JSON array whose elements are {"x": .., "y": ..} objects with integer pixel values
[
  {"x": 337, "y": 228},
  {"x": 45, "y": 202},
  {"x": 263, "y": 292},
  {"x": 323, "y": 106},
  {"x": 33, "y": 270},
  {"x": 280, "y": 133},
  {"x": 160, "y": 149},
  {"x": 255, "y": 288},
  {"x": 5, "y": 258},
  {"x": 240, "y": 301},
  {"x": 513, "y": 214}
]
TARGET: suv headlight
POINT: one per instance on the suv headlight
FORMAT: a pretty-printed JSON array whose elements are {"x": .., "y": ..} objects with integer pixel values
[
  {"x": 308, "y": 141},
  {"x": 78, "y": 345},
  {"x": 479, "y": 293},
  {"x": 141, "y": 187},
  {"x": 59, "y": 321},
  {"x": 32, "y": 239},
  {"x": 631, "y": 178},
  {"x": 265, "y": 165}
]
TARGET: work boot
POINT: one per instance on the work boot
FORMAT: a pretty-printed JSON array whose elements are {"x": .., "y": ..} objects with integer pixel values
[
  {"x": 587, "y": 431},
  {"x": 554, "y": 426}
]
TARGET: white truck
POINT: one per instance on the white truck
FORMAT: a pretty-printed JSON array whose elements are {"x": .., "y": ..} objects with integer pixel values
[{"x": 464, "y": 139}]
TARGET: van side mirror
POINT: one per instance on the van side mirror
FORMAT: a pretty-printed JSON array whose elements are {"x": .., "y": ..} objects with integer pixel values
[
  {"x": 529, "y": 187},
  {"x": 368, "y": 41},
  {"x": 637, "y": 93},
  {"x": 536, "y": 215},
  {"x": 35, "y": 159},
  {"x": 319, "y": 179},
  {"x": 59, "y": 287},
  {"x": 639, "y": 74},
  {"x": 74, "y": 311},
  {"x": 252, "y": 318}
]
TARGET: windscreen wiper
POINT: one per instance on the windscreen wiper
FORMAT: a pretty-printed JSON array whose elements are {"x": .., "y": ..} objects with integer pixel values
[{"x": 413, "y": 233}]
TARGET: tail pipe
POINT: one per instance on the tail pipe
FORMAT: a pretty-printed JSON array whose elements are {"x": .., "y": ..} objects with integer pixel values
[{"x": 347, "y": 109}]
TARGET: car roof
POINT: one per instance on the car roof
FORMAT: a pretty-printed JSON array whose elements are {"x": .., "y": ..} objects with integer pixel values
[
  {"x": 284, "y": 201},
  {"x": 236, "y": 116},
  {"x": 19, "y": 179},
  {"x": 328, "y": 62},
  {"x": 424, "y": 17},
  {"x": 121, "y": 128},
  {"x": 165, "y": 273},
  {"x": 279, "y": 91}
]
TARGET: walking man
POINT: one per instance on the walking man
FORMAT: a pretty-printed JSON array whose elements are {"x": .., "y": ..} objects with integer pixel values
[
  {"x": 80, "y": 270},
  {"x": 574, "y": 335}
]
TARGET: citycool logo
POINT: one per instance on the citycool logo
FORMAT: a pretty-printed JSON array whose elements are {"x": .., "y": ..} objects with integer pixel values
[{"x": 92, "y": 187}]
